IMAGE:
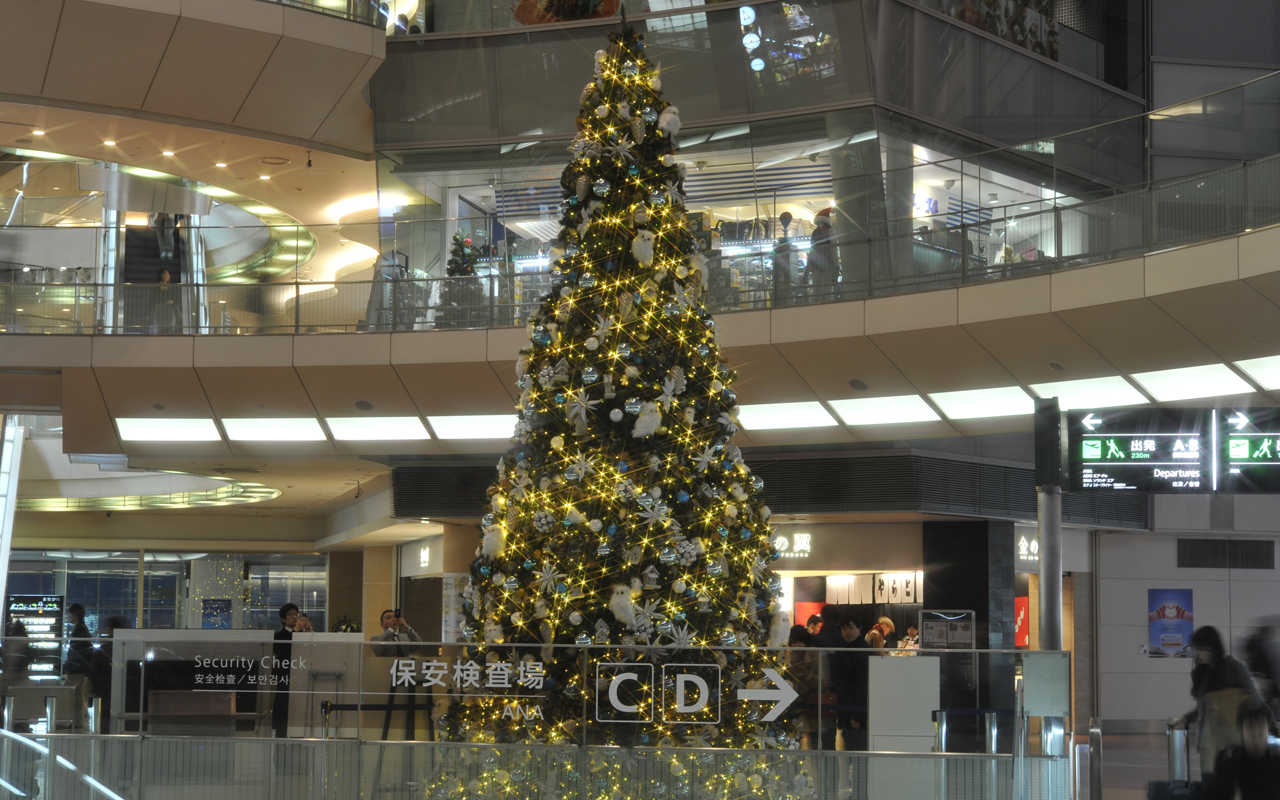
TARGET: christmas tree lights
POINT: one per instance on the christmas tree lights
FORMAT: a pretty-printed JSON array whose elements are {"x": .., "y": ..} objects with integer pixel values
[{"x": 624, "y": 527}]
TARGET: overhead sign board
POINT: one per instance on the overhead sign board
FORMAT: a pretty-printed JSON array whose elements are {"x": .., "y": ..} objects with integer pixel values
[
  {"x": 1249, "y": 450},
  {"x": 1175, "y": 450},
  {"x": 1162, "y": 450}
]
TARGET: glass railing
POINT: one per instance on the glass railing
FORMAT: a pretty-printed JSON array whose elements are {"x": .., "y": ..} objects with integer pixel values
[
  {"x": 742, "y": 274},
  {"x": 326, "y": 713},
  {"x": 387, "y": 277}
]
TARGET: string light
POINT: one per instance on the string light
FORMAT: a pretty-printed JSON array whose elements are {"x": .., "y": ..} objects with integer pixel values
[{"x": 624, "y": 526}]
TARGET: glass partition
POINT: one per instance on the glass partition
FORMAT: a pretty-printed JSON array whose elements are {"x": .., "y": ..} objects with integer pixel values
[{"x": 323, "y": 713}]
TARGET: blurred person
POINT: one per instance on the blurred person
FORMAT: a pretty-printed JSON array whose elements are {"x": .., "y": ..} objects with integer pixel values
[
  {"x": 824, "y": 265},
  {"x": 291, "y": 621},
  {"x": 912, "y": 639},
  {"x": 394, "y": 631},
  {"x": 802, "y": 672},
  {"x": 100, "y": 669},
  {"x": 874, "y": 639},
  {"x": 166, "y": 317},
  {"x": 75, "y": 670},
  {"x": 1250, "y": 770},
  {"x": 1262, "y": 655},
  {"x": 833, "y": 670},
  {"x": 15, "y": 661},
  {"x": 813, "y": 625},
  {"x": 1223, "y": 689},
  {"x": 163, "y": 226}
]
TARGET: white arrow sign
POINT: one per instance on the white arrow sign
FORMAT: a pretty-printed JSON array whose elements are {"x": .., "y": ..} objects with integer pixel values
[
  {"x": 783, "y": 696},
  {"x": 1089, "y": 421},
  {"x": 1239, "y": 420}
]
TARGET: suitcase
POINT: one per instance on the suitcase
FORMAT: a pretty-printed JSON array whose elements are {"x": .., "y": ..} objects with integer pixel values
[{"x": 1173, "y": 790}]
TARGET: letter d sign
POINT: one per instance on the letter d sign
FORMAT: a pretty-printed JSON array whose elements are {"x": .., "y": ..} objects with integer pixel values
[{"x": 691, "y": 693}]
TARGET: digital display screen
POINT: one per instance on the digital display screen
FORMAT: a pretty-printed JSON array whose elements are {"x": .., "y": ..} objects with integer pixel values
[
  {"x": 41, "y": 615},
  {"x": 1161, "y": 450}
]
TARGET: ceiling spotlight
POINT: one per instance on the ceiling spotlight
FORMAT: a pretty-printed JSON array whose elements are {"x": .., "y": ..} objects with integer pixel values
[
  {"x": 264, "y": 177},
  {"x": 167, "y": 153},
  {"x": 219, "y": 164},
  {"x": 993, "y": 198},
  {"x": 109, "y": 143},
  {"x": 37, "y": 133},
  {"x": 948, "y": 183}
]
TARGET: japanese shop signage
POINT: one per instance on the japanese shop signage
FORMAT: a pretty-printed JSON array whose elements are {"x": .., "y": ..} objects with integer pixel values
[{"x": 798, "y": 545}]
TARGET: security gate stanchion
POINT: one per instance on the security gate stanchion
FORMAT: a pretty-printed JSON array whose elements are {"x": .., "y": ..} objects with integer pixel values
[
  {"x": 940, "y": 747},
  {"x": 991, "y": 739}
]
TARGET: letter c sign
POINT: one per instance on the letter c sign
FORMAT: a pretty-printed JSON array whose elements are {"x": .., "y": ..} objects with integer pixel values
[{"x": 624, "y": 693}]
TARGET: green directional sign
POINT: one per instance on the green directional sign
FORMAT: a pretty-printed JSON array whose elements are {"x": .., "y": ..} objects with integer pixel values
[{"x": 1142, "y": 450}]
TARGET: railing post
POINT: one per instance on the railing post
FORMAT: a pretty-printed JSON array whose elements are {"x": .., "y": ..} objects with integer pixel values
[
  {"x": 51, "y": 714},
  {"x": 297, "y": 306},
  {"x": 1095, "y": 759},
  {"x": 991, "y": 740}
]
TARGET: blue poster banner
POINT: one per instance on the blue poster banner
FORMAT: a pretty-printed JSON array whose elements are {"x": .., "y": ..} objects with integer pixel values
[
  {"x": 1170, "y": 621},
  {"x": 216, "y": 613}
]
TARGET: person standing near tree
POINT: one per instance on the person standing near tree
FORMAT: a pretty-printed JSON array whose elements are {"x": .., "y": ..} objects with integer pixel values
[
  {"x": 76, "y": 668},
  {"x": 291, "y": 622},
  {"x": 395, "y": 631}
]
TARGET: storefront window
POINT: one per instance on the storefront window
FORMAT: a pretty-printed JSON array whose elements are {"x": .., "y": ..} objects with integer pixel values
[{"x": 180, "y": 590}]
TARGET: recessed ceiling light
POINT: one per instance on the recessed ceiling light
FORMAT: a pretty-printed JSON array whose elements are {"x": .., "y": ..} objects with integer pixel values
[
  {"x": 109, "y": 143},
  {"x": 859, "y": 385},
  {"x": 884, "y": 410},
  {"x": 1006, "y": 401},
  {"x": 1026, "y": 208},
  {"x": 219, "y": 164},
  {"x": 1090, "y": 393},
  {"x": 134, "y": 429},
  {"x": 264, "y": 177},
  {"x": 291, "y": 429},
  {"x": 777, "y": 416},
  {"x": 1186, "y": 383},
  {"x": 377, "y": 429},
  {"x": 496, "y": 426},
  {"x": 37, "y": 133},
  {"x": 1265, "y": 371},
  {"x": 167, "y": 153}
]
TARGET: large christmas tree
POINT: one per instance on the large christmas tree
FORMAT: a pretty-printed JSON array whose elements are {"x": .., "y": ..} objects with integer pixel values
[{"x": 624, "y": 515}]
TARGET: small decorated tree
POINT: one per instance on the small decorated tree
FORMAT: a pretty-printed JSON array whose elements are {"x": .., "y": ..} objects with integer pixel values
[{"x": 462, "y": 297}]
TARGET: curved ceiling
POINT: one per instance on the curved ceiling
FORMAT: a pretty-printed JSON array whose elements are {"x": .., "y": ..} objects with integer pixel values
[{"x": 234, "y": 64}]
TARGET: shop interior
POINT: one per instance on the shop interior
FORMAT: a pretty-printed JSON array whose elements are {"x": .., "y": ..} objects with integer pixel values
[{"x": 753, "y": 191}]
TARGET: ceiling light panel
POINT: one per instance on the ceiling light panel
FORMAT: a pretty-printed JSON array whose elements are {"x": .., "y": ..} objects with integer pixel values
[
  {"x": 884, "y": 410},
  {"x": 1091, "y": 393},
  {"x": 1266, "y": 371},
  {"x": 1006, "y": 401},
  {"x": 487, "y": 426},
  {"x": 137, "y": 429},
  {"x": 1186, "y": 383},
  {"x": 777, "y": 416},
  {"x": 377, "y": 429},
  {"x": 291, "y": 429}
]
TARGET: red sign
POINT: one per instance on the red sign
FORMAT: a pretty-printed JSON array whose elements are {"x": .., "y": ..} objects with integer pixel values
[{"x": 1021, "y": 624}]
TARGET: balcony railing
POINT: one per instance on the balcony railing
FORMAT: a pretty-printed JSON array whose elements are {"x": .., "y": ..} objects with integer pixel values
[{"x": 507, "y": 292}]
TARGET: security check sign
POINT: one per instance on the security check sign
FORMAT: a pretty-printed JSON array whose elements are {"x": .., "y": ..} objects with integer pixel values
[{"x": 686, "y": 694}]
